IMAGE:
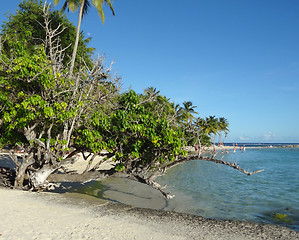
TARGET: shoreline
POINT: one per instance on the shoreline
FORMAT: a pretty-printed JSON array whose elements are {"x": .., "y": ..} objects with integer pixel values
[
  {"x": 247, "y": 146},
  {"x": 37, "y": 209},
  {"x": 30, "y": 215},
  {"x": 250, "y": 146}
]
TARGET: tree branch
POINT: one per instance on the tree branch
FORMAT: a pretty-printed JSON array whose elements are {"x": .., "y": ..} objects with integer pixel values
[
  {"x": 210, "y": 159},
  {"x": 152, "y": 183}
]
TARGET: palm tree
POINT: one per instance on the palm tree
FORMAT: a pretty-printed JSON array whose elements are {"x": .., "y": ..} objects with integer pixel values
[
  {"x": 212, "y": 128},
  {"x": 177, "y": 113},
  {"x": 151, "y": 92},
  {"x": 223, "y": 123},
  {"x": 188, "y": 110},
  {"x": 223, "y": 127},
  {"x": 84, "y": 6}
]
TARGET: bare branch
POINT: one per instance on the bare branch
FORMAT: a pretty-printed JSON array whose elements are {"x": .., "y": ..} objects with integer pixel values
[
  {"x": 49, "y": 136},
  {"x": 210, "y": 159},
  {"x": 14, "y": 157},
  {"x": 89, "y": 163},
  {"x": 151, "y": 183}
]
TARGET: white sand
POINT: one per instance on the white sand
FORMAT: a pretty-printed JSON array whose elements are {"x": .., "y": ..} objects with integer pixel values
[{"x": 26, "y": 216}]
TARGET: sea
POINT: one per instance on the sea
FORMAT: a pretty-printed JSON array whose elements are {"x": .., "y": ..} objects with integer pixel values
[{"x": 220, "y": 192}]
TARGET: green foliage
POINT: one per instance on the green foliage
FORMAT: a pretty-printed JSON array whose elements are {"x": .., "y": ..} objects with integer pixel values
[
  {"x": 188, "y": 111},
  {"x": 136, "y": 135},
  {"x": 119, "y": 167},
  {"x": 73, "y": 6},
  {"x": 31, "y": 94},
  {"x": 26, "y": 26}
]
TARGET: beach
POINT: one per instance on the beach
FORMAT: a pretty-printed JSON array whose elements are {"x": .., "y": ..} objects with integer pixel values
[
  {"x": 65, "y": 215},
  {"x": 31, "y": 215}
]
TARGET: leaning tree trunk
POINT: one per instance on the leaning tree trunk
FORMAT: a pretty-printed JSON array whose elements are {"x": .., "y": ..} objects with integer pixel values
[
  {"x": 38, "y": 179},
  {"x": 77, "y": 38},
  {"x": 21, "y": 171}
]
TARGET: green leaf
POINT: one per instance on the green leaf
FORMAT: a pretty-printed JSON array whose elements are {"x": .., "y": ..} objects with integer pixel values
[{"x": 119, "y": 167}]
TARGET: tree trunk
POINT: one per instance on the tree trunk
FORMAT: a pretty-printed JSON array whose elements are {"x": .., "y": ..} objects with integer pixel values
[
  {"x": 38, "y": 179},
  {"x": 84, "y": 177},
  {"x": 77, "y": 38},
  {"x": 20, "y": 172}
]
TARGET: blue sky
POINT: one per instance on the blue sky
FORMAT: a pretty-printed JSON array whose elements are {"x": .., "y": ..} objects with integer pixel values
[{"x": 233, "y": 59}]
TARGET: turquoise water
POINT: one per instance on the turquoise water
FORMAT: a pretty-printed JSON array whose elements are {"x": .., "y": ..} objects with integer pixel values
[
  {"x": 217, "y": 191},
  {"x": 220, "y": 192}
]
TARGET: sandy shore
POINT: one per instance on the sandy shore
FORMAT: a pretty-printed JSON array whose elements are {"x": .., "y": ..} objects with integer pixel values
[{"x": 27, "y": 215}]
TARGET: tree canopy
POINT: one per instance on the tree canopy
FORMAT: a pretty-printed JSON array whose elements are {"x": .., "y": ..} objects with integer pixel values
[{"x": 27, "y": 24}]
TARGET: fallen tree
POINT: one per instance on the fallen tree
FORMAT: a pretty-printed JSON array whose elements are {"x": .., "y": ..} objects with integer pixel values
[{"x": 142, "y": 145}]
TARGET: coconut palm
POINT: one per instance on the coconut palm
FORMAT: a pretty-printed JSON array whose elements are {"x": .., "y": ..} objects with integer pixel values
[
  {"x": 223, "y": 127},
  {"x": 84, "y": 6},
  {"x": 212, "y": 128},
  {"x": 188, "y": 111},
  {"x": 203, "y": 131},
  {"x": 223, "y": 124}
]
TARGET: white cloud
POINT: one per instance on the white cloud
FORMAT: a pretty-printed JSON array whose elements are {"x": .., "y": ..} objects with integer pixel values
[
  {"x": 244, "y": 138},
  {"x": 269, "y": 136}
]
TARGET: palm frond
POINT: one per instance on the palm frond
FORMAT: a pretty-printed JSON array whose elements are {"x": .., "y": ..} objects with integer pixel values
[
  {"x": 86, "y": 7},
  {"x": 98, "y": 4},
  {"x": 110, "y": 5},
  {"x": 70, "y": 5}
]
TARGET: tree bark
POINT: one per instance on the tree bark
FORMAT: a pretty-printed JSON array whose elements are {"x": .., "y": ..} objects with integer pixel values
[
  {"x": 77, "y": 38},
  {"x": 84, "y": 177},
  {"x": 210, "y": 159},
  {"x": 21, "y": 171},
  {"x": 38, "y": 179},
  {"x": 151, "y": 182}
]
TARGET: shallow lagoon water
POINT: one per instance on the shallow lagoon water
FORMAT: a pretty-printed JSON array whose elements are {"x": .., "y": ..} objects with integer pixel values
[{"x": 220, "y": 192}]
